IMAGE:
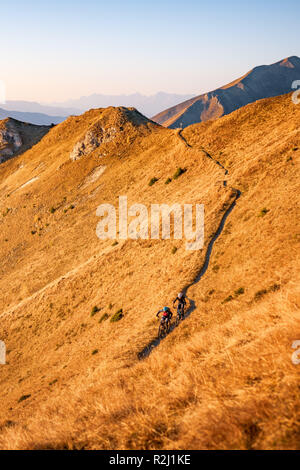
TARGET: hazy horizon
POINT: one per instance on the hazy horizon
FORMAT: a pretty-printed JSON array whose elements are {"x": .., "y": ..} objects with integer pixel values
[{"x": 74, "y": 49}]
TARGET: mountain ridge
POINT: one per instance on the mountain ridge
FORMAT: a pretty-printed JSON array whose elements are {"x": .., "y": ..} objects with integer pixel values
[
  {"x": 146, "y": 104},
  {"x": 264, "y": 81},
  {"x": 38, "y": 119}
]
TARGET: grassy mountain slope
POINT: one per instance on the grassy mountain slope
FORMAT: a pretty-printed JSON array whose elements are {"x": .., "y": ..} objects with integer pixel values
[{"x": 223, "y": 378}]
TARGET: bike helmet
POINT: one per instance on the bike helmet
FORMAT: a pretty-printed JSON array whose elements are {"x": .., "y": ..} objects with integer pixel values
[
  {"x": 180, "y": 295},
  {"x": 166, "y": 309}
]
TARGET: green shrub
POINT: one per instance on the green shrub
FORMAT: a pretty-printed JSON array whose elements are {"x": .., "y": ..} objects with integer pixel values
[
  {"x": 24, "y": 397},
  {"x": 95, "y": 352},
  {"x": 33, "y": 232},
  {"x": 152, "y": 181},
  {"x": 94, "y": 310},
  {"x": 260, "y": 293},
  {"x": 228, "y": 299},
  {"x": 114, "y": 243},
  {"x": 117, "y": 316},
  {"x": 168, "y": 180},
  {"x": 110, "y": 306},
  {"x": 104, "y": 317},
  {"x": 52, "y": 210},
  {"x": 6, "y": 212},
  {"x": 72, "y": 206},
  {"x": 174, "y": 249},
  {"x": 239, "y": 291},
  {"x": 263, "y": 212},
  {"x": 179, "y": 172},
  {"x": 274, "y": 287}
]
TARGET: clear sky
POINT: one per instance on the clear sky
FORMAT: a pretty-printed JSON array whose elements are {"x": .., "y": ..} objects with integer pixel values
[{"x": 61, "y": 49}]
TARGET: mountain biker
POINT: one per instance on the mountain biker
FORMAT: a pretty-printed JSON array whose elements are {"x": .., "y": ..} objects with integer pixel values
[
  {"x": 181, "y": 299},
  {"x": 166, "y": 314}
]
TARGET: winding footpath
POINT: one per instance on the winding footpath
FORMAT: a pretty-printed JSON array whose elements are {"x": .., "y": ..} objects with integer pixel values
[{"x": 145, "y": 352}]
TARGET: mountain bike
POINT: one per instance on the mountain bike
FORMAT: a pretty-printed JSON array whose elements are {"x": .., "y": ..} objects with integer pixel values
[
  {"x": 164, "y": 327},
  {"x": 180, "y": 314}
]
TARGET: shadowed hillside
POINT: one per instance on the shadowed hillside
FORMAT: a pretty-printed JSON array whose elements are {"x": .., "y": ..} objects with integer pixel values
[
  {"x": 77, "y": 313},
  {"x": 17, "y": 137},
  {"x": 261, "y": 82}
]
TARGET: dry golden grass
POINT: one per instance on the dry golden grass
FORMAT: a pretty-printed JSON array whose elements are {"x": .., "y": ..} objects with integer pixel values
[{"x": 224, "y": 378}]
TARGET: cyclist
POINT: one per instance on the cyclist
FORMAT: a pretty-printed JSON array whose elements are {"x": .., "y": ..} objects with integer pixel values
[
  {"x": 181, "y": 299},
  {"x": 166, "y": 315}
]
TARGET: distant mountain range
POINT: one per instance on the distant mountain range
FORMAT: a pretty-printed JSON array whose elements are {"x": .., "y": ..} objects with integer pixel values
[
  {"x": 32, "y": 118},
  {"x": 147, "y": 105},
  {"x": 45, "y": 114},
  {"x": 179, "y": 110},
  {"x": 34, "y": 107},
  {"x": 262, "y": 82}
]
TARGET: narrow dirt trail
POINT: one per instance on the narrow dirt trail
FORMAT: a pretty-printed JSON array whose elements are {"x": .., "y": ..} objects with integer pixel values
[
  {"x": 179, "y": 134},
  {"x": 156, "y": 341}
]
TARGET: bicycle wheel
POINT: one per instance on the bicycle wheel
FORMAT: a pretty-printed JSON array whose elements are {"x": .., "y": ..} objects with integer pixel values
[{"x": 161, "y": 330}]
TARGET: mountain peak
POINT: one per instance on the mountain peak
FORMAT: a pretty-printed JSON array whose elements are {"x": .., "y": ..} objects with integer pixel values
[
  {"x": 104, "y": 125},
  {"x": 287, "y": 63},
  {"x": 264, "y": 81}
]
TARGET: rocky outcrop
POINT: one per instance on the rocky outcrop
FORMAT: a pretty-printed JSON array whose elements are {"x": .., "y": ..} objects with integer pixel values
[
  {"x": 117, "y": 125},
  {"x": 92, "y": 139},
  {"x": 10, "y": 142}
]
